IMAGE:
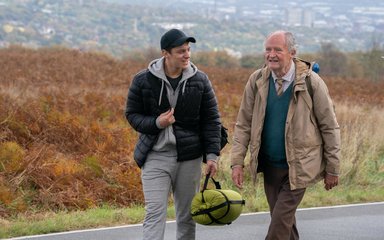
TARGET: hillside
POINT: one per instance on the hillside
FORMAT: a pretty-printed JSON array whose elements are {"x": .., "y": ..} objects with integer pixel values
[{"x": 64, "y": 141}]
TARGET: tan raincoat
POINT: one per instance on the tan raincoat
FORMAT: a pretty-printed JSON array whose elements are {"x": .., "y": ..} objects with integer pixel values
[{"x": 312, "y": 134}]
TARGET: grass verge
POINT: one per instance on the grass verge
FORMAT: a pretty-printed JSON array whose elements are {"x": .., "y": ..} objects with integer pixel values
[{"x": 33, "y": 224}]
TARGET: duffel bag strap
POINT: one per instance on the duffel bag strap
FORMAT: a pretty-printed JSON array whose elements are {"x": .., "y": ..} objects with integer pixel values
[
  {"x": 209, "y": 210},
  {"x": 217, "y": 184}
]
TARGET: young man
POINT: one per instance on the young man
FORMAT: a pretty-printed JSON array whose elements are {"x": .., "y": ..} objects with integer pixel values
[
  {"x": 292, "y": 132},
  {"x": 173, "y": 107}
]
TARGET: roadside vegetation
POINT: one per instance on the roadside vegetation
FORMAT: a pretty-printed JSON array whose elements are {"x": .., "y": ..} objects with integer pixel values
[{"x": 66, "y": 148}]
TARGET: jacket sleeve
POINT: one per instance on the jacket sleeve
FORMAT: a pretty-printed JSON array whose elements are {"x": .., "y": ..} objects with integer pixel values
[
  {"x": 242, "y": 131},
  {"x": 329, "y": 128},
  {"x": 210, "y": 121},
  {"x": 135, "y": 113}
]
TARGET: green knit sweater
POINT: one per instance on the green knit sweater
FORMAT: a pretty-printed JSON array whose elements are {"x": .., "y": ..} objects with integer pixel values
[{"x": 272, "y": 150}]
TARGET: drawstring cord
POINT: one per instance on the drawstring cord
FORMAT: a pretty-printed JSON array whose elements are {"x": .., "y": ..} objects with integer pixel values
[
  {"x": 161, "y": 91},
  {"x": 185, "y": 82}
]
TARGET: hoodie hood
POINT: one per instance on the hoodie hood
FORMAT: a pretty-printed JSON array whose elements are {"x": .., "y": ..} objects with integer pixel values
[{"x": 156, "y": 67}]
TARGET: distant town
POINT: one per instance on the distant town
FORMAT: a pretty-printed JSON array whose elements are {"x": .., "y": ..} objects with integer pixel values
[{"x": 238, "y": 27}]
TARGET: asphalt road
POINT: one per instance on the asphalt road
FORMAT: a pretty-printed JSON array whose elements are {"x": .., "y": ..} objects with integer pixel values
[{"x": 351, "y": 222}]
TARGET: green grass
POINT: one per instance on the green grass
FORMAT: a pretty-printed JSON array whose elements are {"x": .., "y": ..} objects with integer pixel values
[{"x": 50, "y": 222}]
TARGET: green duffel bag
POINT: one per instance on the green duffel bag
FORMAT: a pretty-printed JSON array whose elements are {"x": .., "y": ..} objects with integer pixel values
[{"x": 216, "y": 206}]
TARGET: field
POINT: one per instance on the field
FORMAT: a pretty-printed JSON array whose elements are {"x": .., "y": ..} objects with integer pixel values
[{"x": 65, "y": 146}]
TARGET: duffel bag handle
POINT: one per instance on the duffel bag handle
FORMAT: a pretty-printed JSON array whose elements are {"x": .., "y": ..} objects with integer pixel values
[{"x": 217, "y": 184}]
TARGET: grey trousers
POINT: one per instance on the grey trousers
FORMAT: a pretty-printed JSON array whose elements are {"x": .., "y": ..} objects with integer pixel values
[{"x": 161, "y": 175}]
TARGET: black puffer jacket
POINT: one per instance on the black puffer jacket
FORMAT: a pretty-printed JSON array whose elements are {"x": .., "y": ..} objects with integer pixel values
[{"x": 197, "y": 126}]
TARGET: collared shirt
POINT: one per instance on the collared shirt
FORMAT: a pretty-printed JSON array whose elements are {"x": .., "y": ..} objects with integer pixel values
[{"x": 288, "y": 78}]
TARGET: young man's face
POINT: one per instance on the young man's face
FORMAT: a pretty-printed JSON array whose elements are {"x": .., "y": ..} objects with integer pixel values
[
  {"x": 178, "y": 57},
  {"x": 277, "y": 57}
]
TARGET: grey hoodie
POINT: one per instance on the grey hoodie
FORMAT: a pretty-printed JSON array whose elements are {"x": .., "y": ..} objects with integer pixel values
[{"x": 166, "y": 143}]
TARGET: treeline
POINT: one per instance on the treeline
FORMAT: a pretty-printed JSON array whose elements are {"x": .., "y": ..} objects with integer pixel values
[
  {"x": 64, "y": 141},
  {"x": 333, "y": 62}
]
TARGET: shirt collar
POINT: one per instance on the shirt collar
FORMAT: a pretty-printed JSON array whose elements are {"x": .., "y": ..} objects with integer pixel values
[{"x": 290, "y": 74}]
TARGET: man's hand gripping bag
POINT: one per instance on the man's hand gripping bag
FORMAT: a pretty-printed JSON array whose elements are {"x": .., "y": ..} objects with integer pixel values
[{"x": 216, "y": 206}]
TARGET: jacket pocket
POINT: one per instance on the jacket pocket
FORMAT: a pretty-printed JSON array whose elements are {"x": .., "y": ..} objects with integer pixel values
[
  {"x": 308, "y": 163},
  {"x": 143, "y": 146},
  {"x": 305, "y": 131}
]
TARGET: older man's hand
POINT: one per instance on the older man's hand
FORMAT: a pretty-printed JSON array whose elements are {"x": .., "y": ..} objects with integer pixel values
[
  {"x": 330, "y": 181},
  {"x": 238, "y": 176}
]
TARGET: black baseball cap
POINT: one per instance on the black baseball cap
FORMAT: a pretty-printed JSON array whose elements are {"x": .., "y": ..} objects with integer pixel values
[{"x": 174, "y": 38}]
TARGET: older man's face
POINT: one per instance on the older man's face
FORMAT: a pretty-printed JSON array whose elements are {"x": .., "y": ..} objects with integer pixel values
[{"x": 277, "y": 57}]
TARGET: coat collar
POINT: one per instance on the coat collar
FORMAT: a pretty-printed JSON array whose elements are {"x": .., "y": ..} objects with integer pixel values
[{"x": 302, "y": 69}]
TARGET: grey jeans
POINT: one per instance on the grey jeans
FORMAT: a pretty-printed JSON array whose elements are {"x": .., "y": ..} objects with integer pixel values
[{"x": 162, "y": 174}]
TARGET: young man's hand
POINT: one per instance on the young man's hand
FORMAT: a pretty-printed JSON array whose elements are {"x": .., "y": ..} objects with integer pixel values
[
  {"x": 211, "y": 168},
  {"x": 166, "y": 118}
]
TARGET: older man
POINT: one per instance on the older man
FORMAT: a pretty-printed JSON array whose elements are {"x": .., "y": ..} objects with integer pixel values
[{"x": 287, "y": 119}]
